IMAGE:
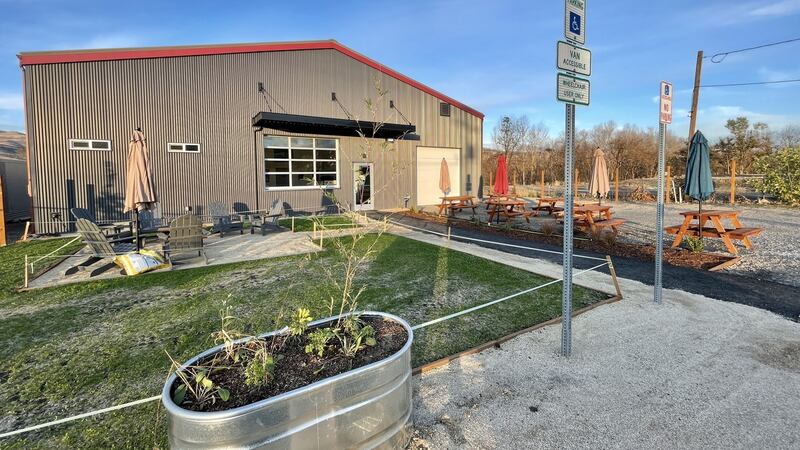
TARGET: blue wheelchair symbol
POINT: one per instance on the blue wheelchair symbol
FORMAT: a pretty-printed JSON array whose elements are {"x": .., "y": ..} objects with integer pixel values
[{"x": 574, "y": 23}]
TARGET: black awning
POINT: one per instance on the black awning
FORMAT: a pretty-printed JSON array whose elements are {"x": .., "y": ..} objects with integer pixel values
[{"x": 294, "y": 123}]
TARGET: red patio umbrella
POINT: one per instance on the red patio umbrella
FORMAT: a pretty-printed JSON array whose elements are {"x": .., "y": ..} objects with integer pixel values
[{"x": 501, "y": 179}]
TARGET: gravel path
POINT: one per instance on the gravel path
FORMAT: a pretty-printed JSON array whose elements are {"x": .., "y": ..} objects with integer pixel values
[
  {"x": 776, "y": 253},
  {"x": 690, "y": 373}
]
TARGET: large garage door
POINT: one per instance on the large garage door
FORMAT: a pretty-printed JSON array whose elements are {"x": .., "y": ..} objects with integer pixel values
[{"x": 429, "y": 160}]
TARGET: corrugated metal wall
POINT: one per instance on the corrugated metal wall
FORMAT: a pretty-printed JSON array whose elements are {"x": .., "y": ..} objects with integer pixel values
[{"x": 210, "y": 100}]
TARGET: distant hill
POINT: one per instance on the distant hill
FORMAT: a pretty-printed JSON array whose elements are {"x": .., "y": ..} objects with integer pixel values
[{"x": 12, "y": 144}]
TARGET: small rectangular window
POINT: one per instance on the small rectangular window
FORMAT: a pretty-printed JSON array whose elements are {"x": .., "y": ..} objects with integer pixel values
[
  {"x": 89, "y": 144},
  {"x": 444, "y": 109},
  {"x": 183, "y": 147}
]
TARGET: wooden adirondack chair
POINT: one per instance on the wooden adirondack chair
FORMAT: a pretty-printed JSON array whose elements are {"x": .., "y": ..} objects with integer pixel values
[
  {"x": 112, "y": 231},
  {"x": 263, "y": 220},
  {"x": 186, "y": 235},
  {"x": 223, "y": 220},
  {"x": 102, "y": 247}
]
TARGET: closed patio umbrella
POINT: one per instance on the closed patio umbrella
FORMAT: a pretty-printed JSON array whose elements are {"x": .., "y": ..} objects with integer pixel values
[
  {"x": 501, "y": 179},
  {"x": 140, "y": 191},
  {"x": 698, "y": 183},
  {"x": 599, "y": 184},
  {"x": 444, "y": 177}
]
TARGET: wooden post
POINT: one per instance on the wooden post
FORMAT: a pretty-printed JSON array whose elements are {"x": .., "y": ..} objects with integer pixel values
[
  {"x": 698, "y": 68},
  {"x": 2, "y": 217},
  {"x": 616, "y": 185},
  {"x": 26, "y": 271},
  {"x": 733, "y": 182},
  {"x": 575, "y": 192},
  {"x": 669, "y": 183},
  {"x": 541, "y": 181},
  {"x": 25, "y": 234}
]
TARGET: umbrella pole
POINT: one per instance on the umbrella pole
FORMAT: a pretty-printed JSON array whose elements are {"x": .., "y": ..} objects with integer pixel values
[{"x": 136, "y": 235}]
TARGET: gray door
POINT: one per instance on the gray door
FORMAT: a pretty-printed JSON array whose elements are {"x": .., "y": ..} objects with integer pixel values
[{"x": 362, "y": 187}]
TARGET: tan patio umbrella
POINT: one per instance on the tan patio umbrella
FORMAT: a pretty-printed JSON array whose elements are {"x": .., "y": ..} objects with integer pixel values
[
  {"x": 140, "y": 191},
  {"x": 444, "y": 177},
  {"x": 599, "y": 184}
]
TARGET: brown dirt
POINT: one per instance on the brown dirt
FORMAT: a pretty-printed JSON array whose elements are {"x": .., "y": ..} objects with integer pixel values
[
  {"x": 673, "y": 256},
  {"x": 295, "y": 368}
]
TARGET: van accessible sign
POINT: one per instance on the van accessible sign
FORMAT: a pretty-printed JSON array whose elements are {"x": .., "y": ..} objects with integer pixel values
[
  {"x": 574, "y": 59},
  {"x": 572, "y": 89}
]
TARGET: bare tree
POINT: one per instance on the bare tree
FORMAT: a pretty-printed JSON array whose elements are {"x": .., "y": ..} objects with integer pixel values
[
  {"x": 509, "y": 135},
  {"x": 787, "y": 137}
]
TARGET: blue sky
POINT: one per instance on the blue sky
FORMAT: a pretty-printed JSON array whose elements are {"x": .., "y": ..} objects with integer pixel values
[{"x": 496, "y": 56}]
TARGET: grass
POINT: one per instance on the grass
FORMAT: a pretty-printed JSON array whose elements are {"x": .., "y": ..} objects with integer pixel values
[
  {"x": 302, "y": 224},
  {"x": 12, "y": 260},
  {"x": 72, "y": 349}
]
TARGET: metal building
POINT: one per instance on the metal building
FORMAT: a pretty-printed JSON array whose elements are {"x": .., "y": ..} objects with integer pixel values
[{"x": 243, "y": 124}]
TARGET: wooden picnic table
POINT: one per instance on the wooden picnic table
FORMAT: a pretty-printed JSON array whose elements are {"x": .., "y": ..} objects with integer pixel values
[
  {"x": 508, "y": 209},
  {"x": 716, "y": 230},
  {"x": 457, "y": 203}
]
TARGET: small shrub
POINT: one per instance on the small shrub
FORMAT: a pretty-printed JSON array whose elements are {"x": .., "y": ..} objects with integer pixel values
[
  {"x": 548, "y": 228},
  {"x": 608, "y": 238},
  {"x": 258, "y": 370},
  {"x": 781, "y": 174},
  {"x": 693, "y": 244},
  {"x": 355, "y": 339}
]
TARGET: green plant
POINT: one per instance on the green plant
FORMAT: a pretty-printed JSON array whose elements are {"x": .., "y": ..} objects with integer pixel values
[
  {"x": 318, "y": 340},
  {"x": 694, "y": 244},
  {"x": 781, "y": 174},
  {"x": 196, "y": 382},
  {"x": 227, "y": 334},
  {"x": 299, "y": 322},
  {"x": 356, "y": 337},
  {"x": 260, "y": 367}
]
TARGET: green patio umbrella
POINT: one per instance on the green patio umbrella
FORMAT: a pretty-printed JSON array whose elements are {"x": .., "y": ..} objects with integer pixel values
[{"x": 698, "y": 183}]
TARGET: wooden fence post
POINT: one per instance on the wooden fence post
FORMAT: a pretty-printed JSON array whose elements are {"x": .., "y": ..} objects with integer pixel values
[
  {"x": 616, "y": 185},
  {"x": 669, "y": 183},
  {"x": 733, "y": 182},
  {"x": 2, "y": 217},
  {"x": 542, "y": 183},
  {"x": 575, "y": 188}
]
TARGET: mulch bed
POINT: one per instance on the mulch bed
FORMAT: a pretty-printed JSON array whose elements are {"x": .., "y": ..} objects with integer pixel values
[
  {"x": 296, "y": 368},
  {"x": 673, "y": 256}
]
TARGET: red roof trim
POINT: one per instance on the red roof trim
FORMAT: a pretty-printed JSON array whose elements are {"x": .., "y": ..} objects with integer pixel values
[{"x": 171, "y": 52}]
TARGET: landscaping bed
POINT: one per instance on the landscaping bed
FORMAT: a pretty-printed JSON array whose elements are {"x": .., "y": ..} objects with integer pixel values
[
  {"x": 302, "y": 224},
  {"x": 674, "y": 256}
]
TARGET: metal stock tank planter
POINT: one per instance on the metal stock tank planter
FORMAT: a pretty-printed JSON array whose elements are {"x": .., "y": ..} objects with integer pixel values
[{"x": 365, "y": 407}]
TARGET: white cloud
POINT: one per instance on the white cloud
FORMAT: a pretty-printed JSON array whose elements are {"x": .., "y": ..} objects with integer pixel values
[
  {"x": 777, "y": 8},
  {"x": 11, "y": 101},
  {"x": 712, "y": 120},
  {"x": 112, "y": 41}
]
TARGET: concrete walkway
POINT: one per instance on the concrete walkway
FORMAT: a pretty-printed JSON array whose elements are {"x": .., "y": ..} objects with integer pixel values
[{"x": 692, "y": 372}]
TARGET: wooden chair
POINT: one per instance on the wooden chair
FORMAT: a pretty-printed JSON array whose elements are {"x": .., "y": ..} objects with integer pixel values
[
  {"x": 264, "y": 221},
  {"x": 102, "y": 247},
  {"x": 222, "y": 220},
  {"x": 186, "y": 235},
  {"x": 112, "y": 231}
]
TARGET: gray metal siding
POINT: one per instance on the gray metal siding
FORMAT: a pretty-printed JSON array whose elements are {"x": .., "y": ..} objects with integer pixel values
[{"x": 210, "y": 100}]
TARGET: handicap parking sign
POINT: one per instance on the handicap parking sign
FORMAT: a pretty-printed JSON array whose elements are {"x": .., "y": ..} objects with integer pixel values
[{"x": 574, "y": 23}]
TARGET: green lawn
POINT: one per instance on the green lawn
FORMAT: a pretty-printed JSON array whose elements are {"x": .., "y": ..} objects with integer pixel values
[
  {"x": 307, "y": 223},
  {"x": 72, "y": 349}
]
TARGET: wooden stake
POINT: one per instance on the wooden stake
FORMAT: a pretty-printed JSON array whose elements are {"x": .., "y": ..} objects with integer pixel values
[
  {"x": 25, "y": 234},
  {"x": 2, "y": 217},
  {"x": 733, "y": 182},
  {"x": 26, "y": 271},
  {"x": 669, "y": 183},
  {"x": 613, "y": 273},
  {"x": 577, "y": 172},
  {"x": 541, "y": 181},
  {"x": 616, "y": 185}
]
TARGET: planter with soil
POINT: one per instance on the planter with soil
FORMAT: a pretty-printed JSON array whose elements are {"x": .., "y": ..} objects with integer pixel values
[{"x": 310, "y": 401}]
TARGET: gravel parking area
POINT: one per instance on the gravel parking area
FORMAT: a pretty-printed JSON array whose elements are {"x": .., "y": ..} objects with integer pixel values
[
  {"x": 690, "y": 373},
  {"x": 776, "y": 253}
]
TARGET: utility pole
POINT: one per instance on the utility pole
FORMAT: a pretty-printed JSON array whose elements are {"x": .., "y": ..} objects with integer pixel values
[{"x": 695, "y": 94}]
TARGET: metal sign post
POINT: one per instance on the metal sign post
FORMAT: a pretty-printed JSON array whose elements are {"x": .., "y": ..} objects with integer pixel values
[
  {"x": 664, "y": 117},
  {"x": 572, "y": 90},
  {"x": 566, "y": 291}
]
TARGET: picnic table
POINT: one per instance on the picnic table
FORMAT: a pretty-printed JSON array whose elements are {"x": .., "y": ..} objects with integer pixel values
[
  {"x": 716, "y": 230},
  {"x": 457, "y": 203},
  {"x": 584, "y": 216},
  {"x": 508, "y": 209}
]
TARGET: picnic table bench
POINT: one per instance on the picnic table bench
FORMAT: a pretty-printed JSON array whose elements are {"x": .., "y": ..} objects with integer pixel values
[
  {"x": 457, "y": 203},
  {"x": 694, "y": 224},
  {"x": 584, "y": 217},
  {"x": 508, "y": 209}
]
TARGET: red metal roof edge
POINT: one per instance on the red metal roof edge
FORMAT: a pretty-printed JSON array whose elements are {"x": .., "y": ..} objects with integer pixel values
[{"x": 71, "y": 56}]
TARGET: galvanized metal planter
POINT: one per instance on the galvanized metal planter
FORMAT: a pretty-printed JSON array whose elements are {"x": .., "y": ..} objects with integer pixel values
[{"x": 368, "y": 407}]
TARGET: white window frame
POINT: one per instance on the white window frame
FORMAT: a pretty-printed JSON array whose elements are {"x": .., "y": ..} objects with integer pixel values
[
  {"x": 314, "y": 174},
  {"x": 183, "y": 147},
  {"x": 91, "y": 145}
]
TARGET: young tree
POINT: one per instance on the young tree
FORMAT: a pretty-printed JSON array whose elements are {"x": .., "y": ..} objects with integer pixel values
[
  {"x": 509, "y": 135},
  {"x": 787, "y": 137}
]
